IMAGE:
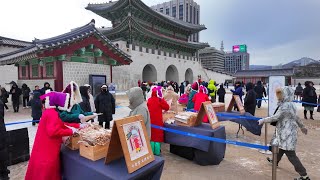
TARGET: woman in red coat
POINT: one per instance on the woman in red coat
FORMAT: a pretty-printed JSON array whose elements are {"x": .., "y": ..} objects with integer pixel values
[
  {"x": 156, "y": 105},
  {"x": 44, "y": 162},
  {"x": 198, "y": 99}
]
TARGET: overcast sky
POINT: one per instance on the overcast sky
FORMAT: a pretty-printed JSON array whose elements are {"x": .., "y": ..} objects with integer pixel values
[{"x": 275, "y": 31}]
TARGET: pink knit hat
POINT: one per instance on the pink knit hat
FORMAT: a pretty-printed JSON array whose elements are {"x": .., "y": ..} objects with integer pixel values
[{"x": 195, "y": 86}]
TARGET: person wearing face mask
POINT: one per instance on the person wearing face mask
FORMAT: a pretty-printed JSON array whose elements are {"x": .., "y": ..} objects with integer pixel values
[
  {"x": 105, "y": 104},
  {"x": 286, "y": 133}
]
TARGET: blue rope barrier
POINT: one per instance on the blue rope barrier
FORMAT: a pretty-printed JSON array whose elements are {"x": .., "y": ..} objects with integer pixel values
[
  {"x": 213, "y": 139},
  {"x": 21, "y": 122},
  {"x": 231, "y": 116},
  {"x": 296, "y": 101}
]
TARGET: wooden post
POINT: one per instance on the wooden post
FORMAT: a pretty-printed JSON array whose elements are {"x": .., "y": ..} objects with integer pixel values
[
  {"x": 266, "y": 134},
  {"x": 275, "y": 151}
]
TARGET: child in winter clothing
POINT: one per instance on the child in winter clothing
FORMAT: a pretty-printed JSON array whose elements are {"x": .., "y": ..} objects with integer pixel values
[
  {"x": 155, "y": 105},
  {"x": 36, "y": 107},
  {"x": 286, "y": 132},
  {"x": 221, "y": 93}
]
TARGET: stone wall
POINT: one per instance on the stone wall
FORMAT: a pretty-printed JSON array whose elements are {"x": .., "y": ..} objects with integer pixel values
[
  {"x": 127, "y": 76},
  {"x": 8, "y": 73},
  {"x": 218, "y": 77},
  {"x": 79, "y": 72}
]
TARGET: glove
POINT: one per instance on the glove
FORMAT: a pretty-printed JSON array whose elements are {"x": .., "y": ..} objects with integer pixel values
[
  {"x": 304, "y": 131},
  {"x": 83, "y": 125},
  {"x": 261, "y": 121},
  {"x": 81, "y": 116}
]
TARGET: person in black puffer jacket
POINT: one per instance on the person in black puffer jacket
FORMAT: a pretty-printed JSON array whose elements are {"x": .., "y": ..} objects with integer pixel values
[
  {"x": 105, "y": 103},
  {"x": 85, "y": 104},
  {"x": 250, "y": 99},
  {"x": 3, "y": 146},
  {"x": 309, "y": 95},
  {"x": 15, "y": 96},
  {"x": 25, "y": 95},
  {"x": 260, "y": 91}
]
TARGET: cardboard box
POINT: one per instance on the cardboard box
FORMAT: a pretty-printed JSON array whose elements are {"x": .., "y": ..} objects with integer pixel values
[
  {"x": 74, "y": 145},
  {"x": 168, "y": 115},
  {"x": 93, "y": 153},
  {"x": 219, "y": 107},
  {"x": 191, "y": 122}
]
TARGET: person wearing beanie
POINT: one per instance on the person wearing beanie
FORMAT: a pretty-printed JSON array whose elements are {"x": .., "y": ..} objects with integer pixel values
[
  {"x": 193, "y": 91},
  {"x": 105, "y": 104},
  {"x": 155, "y": 106},
  {"x": 44, "y": 161}
]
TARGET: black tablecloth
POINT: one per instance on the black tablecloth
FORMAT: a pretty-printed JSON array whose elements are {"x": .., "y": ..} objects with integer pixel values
[
  {"x": 251, "y": 125},
  {"x": 75, "y": 167},
  {"x": 203, "y": 152}
]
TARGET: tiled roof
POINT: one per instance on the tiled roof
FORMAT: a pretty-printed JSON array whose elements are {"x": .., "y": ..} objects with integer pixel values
[
  {"x": 264, "y": 73},
  {"x": 55, "y": 42},
  {"x": 13, "y": 42}
]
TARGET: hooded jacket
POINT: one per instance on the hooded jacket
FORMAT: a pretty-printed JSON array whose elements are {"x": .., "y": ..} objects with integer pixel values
[
  {"x": 44, "y": 89},
  {"x": 250, "y": 101},
  {"x": 286, "y": 132},
  {"x": 15, "y": 92},
  {"x": 221, "y": 93},
  {"x": 260, "y": 90},
  {"x": 155, "y": 107},
  {"x": 139, "y": 107},
  {"x": 309, "y": 95},
  {"x": 212, "y": 88},
  {"x": 25, "y": 90},
  {"x": 36, "y": 106}
]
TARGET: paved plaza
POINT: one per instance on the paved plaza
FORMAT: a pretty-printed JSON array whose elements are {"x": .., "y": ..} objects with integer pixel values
[{"x": 239, "y": 162}]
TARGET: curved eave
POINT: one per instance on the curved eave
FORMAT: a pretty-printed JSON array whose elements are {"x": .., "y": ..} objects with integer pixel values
[{"x": 102, "y": 9}]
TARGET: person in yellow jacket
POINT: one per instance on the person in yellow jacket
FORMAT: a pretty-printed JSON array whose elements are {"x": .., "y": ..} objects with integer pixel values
[{"x": 212, "y": 90}]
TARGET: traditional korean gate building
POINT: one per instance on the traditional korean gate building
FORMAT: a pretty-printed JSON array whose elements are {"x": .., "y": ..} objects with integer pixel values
[
  {"x": 72, "y": 56},
  {"x": 157, "y": 43}
]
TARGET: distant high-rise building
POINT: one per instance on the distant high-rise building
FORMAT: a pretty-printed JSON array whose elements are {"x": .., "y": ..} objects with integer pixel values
[
  {"x": 238, "y": 59},
  {"x": 211, "y": 58},
  {"x": 185, "y": 10}
]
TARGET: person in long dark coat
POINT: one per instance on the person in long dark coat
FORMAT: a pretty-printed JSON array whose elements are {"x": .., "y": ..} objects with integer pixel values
[
  {"x": 15, "y": 96},
  {"x": 260, "y": 91},
  {"x": 4, "y": 95},
  {"x": 309, "y": 95},
  {"x": 85, "y": 104},
  {"x": 221, "y": 93},
  {"x": 250, "y": 99},
  {"x": 105, "y": 103},
  {"x": 36, "y": 107},
  {"x": 25, "y": 95},
  {"x": 181, "y": 87},
  {"x": 3, "y": 146}
]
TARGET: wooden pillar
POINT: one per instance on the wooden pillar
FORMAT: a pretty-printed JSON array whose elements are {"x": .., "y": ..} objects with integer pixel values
[
  {"x": 58, "y": 82},
  {"x": 111, "y": 73}
]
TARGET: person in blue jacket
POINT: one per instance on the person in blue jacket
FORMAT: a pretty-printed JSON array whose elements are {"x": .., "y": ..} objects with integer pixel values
[{"x": 238, "y": 91}]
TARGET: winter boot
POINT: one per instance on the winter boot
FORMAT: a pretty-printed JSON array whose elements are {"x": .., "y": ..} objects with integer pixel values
[
  {"x": 305, "y": 114},
  {"x": 302, "y": 178},
  {"x": 311, "y": 115}
]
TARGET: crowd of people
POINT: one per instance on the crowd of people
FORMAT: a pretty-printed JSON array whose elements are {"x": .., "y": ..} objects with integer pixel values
[{"x": 72, "y": 107}]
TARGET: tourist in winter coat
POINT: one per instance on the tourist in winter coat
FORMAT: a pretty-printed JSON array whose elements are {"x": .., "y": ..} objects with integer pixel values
[
  {"x": 212, "y": 90},
  {"x": 260, "y": 91},
  {"x": 91, "y": 99},
  {"x": 181, "y": 88},
  {"x": 298, "y": 92},
  {"x": 25, "y": 95},
  {"x": 221, "y": 93},
  {"x": 4, "y": 95},
  {"x": 198, "y": 99},
  {"x": 44, "y": 163},
  {"x": 37, "y": 89},
  {"x": 193, "y": 91},
  {"x": 286, "y": 132},
  {"x": 15, "y": 96},
  {"x": 309, "y": 95},
  {"x": 172, "y": 96},
  {"x": 74, "y": 113},
  {"x": 238, "y": 91},
  {"x": 250, "y": 101},
  {"x": 139, "y": 107},
  {"x": 155, "y": 106},
  {"x": 106, "y": 104},
  {"x": 3, "y": 146},
  {"x": 36, "y": 107},
  {"x": 46, "y": 86},
  {"x": 85, "y": 104}
]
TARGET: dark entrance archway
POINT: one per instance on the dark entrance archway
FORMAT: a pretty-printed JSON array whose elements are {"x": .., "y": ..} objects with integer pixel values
[
  {"x": 172, "y": 74},
  {"x": 149, "y": 73},
  {"x": 189, "y": 75}
]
